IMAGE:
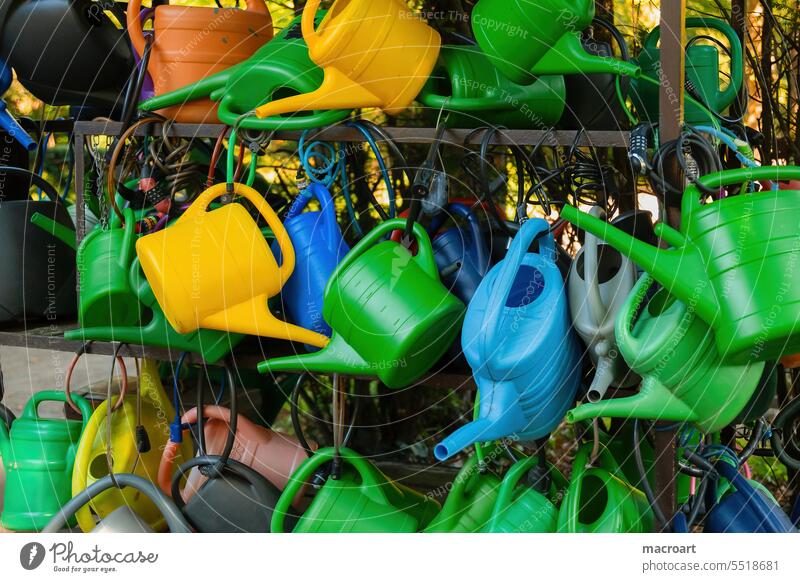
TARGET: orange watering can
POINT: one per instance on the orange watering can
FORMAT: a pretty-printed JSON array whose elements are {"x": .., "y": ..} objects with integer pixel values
[
  {"x": 375, "y": 53},
  {"x": 191, "y": 43},
  {"x": 215, "y": 270}
]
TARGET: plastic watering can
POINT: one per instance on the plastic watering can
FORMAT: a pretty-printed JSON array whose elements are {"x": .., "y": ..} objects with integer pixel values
[
  {"x": 215, "y": 270},
  {"x": 702, "y": 73},
  {"x": 729, "y": 261},
  {"x": 374, "y": 53},
  {"x": 469, "y": 503},
  {"x": 745, "y": 508},
  {"x": 38, "y": 456},
  {"x": 540, "y": 37},
  {"x": 599, "y": 500},
  {"x": 685, "y": 379},
  {"x": 390, "y": 314},
  {"x": 518, "y": 340},
  {"x": 600, "y": 280},
  {"x": 465, "y": 82},
  {"x": 229, "y": 36},
  {"x": 521, "y": 508},
  {"x": 280, "y": 67},
  {"x": 361, "y": 500},
  {"x": 90, "y": 461},
  {"x": 318, "y": 248},
  {"x": 7, "y": 122}
]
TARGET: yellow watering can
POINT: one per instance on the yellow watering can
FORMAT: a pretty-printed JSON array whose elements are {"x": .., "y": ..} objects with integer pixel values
[
  {"x": 375, "y": 53},
  {"x": 215, "y": 270},
  {"x": 91, "y": 464}
]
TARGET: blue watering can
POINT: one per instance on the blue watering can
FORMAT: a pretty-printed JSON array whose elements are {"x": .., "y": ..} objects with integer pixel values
[
  {"x": 462, "y": 256},
  {"x": 745, "y": 508},
  {"x": 7, "y": 122},
  {"x": 519, "y": 342},
  {"x": 319, "y": 248}
]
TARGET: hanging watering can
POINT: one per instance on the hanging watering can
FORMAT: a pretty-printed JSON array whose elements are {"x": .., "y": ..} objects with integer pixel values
[
  {"x": 318, "y": 248},
  {"x": 702, "y": 73},
  {"x": 745, "y": 508},
  {"x": 469, "y": 503},
  {"x": 730, "y": 262},
  {"x": 685, "y": 379},
  {"x": 600, "y": 280},
  {"x": 38, "y": 456},
  {"x": 518, "y": 340},
  {"x": 191, "y": 43},
  {"x": 599, "y": 500},
  {"x": 279, "y": 68},
  {"x": 361, "y": 500},
  {"x": 390, "y": 314},
  {"x": 66, "y": 52},
  {"x": 375, "y": 53},
  {"x": 151, "y": 410},
  {"x": 215, "y": 270},
  {"x": 528, "y": 39},
  {"x": 466, "y": 83}
]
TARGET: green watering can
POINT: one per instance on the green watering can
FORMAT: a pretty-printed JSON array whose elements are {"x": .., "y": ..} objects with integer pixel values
[
  {"x": 684, "y": 378},
  {"x": 280, "y": 68},
  {"x": 469, "y": 503},
  {"x": 525, "y": 39},
  {"x": 465, "y": 82},
  {"x": 599, "y": 500},
  {"x": 362, "y": 500},
  {"x": 38, "y": 455},
  {"x": 702, "y": 73},
  {"x": 730, "y": 262},
  {"x": 521, "y": 508},
  {"x": 390, "y": 314}
]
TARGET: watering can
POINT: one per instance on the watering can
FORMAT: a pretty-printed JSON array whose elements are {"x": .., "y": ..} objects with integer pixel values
[
  {"x": 685, "y": 379},
  {"x": 470, "y": 501},
  {"x": 66, "y": 52},
  {"x": 278, "y": 68},
  {"x": 702, "y": 73},
  {"x": 228, "y": 36},
  {"x": 518, "y": 340},
  {"x": 38, "y": 456},
  {"x": 214, "y": 270},
  {"x": 599, "y": 500},
  {"x": 532, "y": 38},
  {"x": 600, "y": 280},
  {"x": 374, "y": 53},
  {"x": 91, "y": 463},
  {"x": 8, "y": 124},
  {"x": 466, "y": 83},
  {"x": 521, "y": 508},
  {"x": 318, "y": 248},
  {"x": 745, "y": 508},
  {"x": 390, "y": 314},
  {"x": 361, "y": 500},
  {"x": 729, "y": 262}
]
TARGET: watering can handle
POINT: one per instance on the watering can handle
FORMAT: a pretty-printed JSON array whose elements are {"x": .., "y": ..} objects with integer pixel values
[
  {"x": 591, "y": 278},
  {"x": 129, "y": 239},
  {"x": 140, "y": 285},
  {"x": 31, "y": 409},
  {"x": 477, "y": 234},
  {"x": 80, "y": 468},
  {"x": 506, "y": 493},
  {"x": 307, "y": 24},
  {"x": 456, "y": 494},
  {"x": 287, "y": 250},
  {"x": 323, "y": 195}
]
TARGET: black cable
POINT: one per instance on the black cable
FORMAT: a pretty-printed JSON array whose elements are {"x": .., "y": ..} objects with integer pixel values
[
  {"x": 294, "y": 407},
  {"x": 704, "y": 155},
  {"x": 35, "y": 178},
  {"x": 648, "y": 491},
  {"x": 232, "y": 425},
  {"x": 784, "y": 444},
  {"x": 755, "y": 438},
  {"x": 132, "y": 100}
]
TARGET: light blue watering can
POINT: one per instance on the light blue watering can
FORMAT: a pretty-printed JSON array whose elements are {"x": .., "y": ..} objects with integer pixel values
[{"x": 519, "y": 342}]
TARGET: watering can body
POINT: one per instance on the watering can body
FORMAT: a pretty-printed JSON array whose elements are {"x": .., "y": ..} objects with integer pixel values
[
  {"x": 215, "y": 270},
  {"x": 278, "y": 68},
  {"x": 38, "y": 455},
  {"x": 390, "y": 314},
  {"x": 229, "y": 36},
  {"x": 702, "y": 72},
  {"x": 685, "y": 379},
  {"x": 518, "y": 340},
  {"x": 357, "y": 44},
  {"x": 466, "y": 83},
  {"x": 319, "y": 248},
  {"x": 39, "y": 271},
  {"x": 732, "y": 256},
  {"x": 361, "y": 500}
]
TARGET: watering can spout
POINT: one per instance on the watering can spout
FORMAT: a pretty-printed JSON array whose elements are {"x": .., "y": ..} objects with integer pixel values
[
  {"x": 480, "y": 430},
  {"x": 58, "y": 230},
  {"x": 569, "y": 57},
  {"x": 199, "y": 90},
  {"x": 335, "y": 358}
]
